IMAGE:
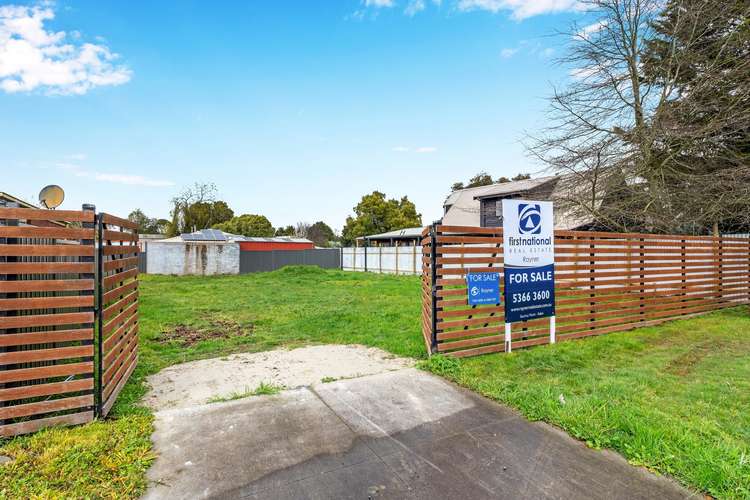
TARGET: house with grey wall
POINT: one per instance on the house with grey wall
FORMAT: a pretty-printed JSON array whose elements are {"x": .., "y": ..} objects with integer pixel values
[{"x": 482, "y": 206}]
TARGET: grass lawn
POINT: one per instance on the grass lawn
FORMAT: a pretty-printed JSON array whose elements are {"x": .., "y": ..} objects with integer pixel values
[
  {"x": 292, "y": 306},
  {"x": 674, "y": 398}
]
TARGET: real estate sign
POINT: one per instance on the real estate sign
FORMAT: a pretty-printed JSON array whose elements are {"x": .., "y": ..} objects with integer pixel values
[
  {"x": 529, "y": 260},
  {"x": 483, "y": 288}
]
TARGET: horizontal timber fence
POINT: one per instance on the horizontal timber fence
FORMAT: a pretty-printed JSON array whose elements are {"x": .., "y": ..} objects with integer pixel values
[
  {"x": 604, "y": 282},
  {"x": 52, "y": 271}
]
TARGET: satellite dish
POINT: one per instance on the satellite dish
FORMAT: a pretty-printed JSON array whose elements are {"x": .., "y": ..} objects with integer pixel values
[{"x": 51, "y": 196}]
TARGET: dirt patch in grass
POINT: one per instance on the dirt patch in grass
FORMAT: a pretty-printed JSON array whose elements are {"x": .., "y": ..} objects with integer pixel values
[
  {"x": 240, "y": 375},
  {"x": 188, "y": 335},
  {"x": 683, "y": 364}
]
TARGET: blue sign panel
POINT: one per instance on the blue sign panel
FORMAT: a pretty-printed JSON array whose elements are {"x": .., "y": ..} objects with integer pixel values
[
  {"x": 529, "y": 293},
  {"x": 483, "y": 288},
  {"x": 529, "y": 260}
]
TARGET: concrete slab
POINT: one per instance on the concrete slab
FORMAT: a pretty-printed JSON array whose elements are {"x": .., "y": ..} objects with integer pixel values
[
  {"x": 196, "y": 382},
  {"x": 402, "y": 434}
]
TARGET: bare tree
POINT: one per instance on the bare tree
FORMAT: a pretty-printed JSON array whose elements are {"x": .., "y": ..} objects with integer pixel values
[
  {"x": 301, "y": 229},
  {"x": 615, "y": 130},
  {"x": 199, "y": 193}
]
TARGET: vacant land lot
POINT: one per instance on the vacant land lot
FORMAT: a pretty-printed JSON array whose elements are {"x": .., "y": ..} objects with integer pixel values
[
  {"x": 187, "y": 318},
  {"x": 675, "y": 398}
]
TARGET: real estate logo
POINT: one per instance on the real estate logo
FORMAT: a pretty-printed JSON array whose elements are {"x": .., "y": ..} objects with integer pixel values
[{"x": 529, "y": 218}]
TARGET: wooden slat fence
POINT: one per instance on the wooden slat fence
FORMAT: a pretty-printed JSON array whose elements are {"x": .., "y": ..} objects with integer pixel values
[
  {"x": 604, "y": 282},
  {"x": 54, "y": 370},
  {"x": 118, "y": 296},
  {"x": 47, "y": 286}
]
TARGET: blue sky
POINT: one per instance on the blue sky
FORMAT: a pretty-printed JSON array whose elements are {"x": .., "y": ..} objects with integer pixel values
[{"x": 294, "y": 109}]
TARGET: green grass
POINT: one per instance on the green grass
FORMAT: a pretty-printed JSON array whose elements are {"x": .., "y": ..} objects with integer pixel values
[
  {"x": 674, "y": 398},
  {"x": 289, "y": 307},
  {"x": 263, "y": 389}
]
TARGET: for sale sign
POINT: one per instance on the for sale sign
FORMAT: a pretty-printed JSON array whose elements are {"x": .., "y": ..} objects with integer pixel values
[
  {"x": 529, "y": 259},
  {"x": 483, "y": 288}
]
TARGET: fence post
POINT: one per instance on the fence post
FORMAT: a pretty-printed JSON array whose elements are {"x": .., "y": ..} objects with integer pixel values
[
  {"x": 365, "y": 255},
  {"x": 98, "y": 310},
  {"x": 592, "y": 286},
  {"x": 396, "y": 258},
  {"x": 683, "y": 269},
  {"x": 721, "y": 270},
  {"x": 414, "y": 258},
  {"x": 433, "y": 277},
  {"x": 642, "y": 298}
]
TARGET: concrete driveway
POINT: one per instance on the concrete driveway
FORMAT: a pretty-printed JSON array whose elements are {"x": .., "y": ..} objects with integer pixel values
[{"x": 400, "y": 434}]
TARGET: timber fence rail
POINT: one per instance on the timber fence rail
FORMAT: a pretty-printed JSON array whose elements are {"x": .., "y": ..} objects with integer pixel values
[
  {"x": 604, "y": 282},
  {"x": 118, "y": 297},
  {"x": 50, "y": 277}
]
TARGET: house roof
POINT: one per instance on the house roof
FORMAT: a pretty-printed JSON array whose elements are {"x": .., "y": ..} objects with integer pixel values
[
  {"x": 409, "y": 232},
  {"x": 217, "y": 236},
  {"x": 275, "y": 239},
  {"x": 507, "y": 188},
  {"x": 5, "y": 197},
  {"x": 13, "y": 199},
  {"x": 462, "y": 206}
]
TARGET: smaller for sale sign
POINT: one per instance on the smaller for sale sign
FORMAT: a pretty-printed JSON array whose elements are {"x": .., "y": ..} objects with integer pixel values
[{"x": 483, "y": 288}]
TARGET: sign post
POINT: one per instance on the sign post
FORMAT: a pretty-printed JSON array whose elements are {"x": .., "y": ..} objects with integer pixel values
[{"x": 529, "y": 260}]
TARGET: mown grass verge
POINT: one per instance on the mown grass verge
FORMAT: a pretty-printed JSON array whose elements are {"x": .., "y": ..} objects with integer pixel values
[{"x": 674, "y": 398}]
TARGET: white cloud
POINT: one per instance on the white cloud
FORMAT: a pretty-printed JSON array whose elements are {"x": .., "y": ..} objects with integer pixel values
[
  {"x": 507, "y": 53},
  {"x": 131, "y": 180},
  {"x": 379, "y": 3},
  {"x": 420, "y": 150},
  {"x": 414, "y": 7},
  {"x": 521, "y": 9},
  {"x": 583, "y": 73},
  {"x": 587, "y": 31},
  {"x": 77, "y": 157},
  {"x": 33, "y": 58}
]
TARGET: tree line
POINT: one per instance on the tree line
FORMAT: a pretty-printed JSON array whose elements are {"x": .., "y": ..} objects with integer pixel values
[
  {"x": 653, "y": 127},
  {"x": 197, "y": 208}
]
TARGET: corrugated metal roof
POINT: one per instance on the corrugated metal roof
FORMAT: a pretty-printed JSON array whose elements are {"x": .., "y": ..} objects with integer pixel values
[
  {"x": 275, "y": 239},
  {"x": 218, "y": 236},
  {"x": 409, "y": 232},
  {"x": 206, "y": 235}
]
